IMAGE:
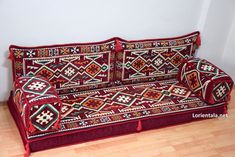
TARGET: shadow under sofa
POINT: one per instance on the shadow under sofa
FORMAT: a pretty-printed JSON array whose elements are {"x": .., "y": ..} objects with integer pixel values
[{"x": 147, "y": 84}]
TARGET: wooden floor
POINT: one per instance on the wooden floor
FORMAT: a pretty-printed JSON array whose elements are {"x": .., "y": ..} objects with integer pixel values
[{"x": 207, "y": 138}]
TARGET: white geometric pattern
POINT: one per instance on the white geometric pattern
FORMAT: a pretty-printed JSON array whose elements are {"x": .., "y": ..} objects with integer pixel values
[
  {"x": 207, "y": 67},
  {"x": 70, "y": 71},
  {"x": 37, "y": 86},
  {"x": 44, "y": 117},
  {"x": 220, "y": 91},
  {"x": 179, "y": 91},
  {"x": 158, "y": 61},
  {"x": 124, "y": 99}
]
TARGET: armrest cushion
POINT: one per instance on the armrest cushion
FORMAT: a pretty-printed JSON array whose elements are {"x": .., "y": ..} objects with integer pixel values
[
  {"x": 38, "y": 104},
  {"x": 207, "y": 81}
]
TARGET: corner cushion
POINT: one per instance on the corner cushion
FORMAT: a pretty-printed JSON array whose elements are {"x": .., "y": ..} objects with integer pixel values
[
  {"x": 37, "y": 103},
  {"x": 206, "y": 80}
]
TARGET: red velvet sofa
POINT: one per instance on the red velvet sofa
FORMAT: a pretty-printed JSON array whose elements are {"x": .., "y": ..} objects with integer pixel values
[{"x": 71, "y": 93}]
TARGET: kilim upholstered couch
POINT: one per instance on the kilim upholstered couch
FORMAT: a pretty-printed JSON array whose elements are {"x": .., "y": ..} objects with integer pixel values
[{"x": 66, "y": 94}]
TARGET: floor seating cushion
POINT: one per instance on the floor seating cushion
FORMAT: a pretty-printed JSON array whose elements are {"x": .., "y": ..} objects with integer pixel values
[
  {"x": 38, "y": 104},
  {"x": 153, "y": 59},
  {"x": 210, "y": 83},
  {"x": 65, "y": 94},
  {"x": 68, "y": 67}
]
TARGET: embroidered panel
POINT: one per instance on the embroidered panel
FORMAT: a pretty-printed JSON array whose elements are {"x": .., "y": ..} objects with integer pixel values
[
  {"x": 38, "y": 104},
  {"x": 124, "y": 103},
  {"x": 148, "y": 60},
  {"x": 69, "y": 68},
  {"x": 206, "y": 80},
  {"x": 45, "y": 117}
]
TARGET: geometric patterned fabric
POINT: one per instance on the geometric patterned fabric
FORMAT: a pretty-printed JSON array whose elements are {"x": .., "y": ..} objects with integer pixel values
[
  {"x": 100, "y": 107},
  {"x": 109, "y": 82},
  {"x": 153, "y": 59},
  {"x": 38, "y": 104},
  {"x": 207, "y": 81},
  {"x": 69, "y": 68},
  {"x": 85, "y": 66}
]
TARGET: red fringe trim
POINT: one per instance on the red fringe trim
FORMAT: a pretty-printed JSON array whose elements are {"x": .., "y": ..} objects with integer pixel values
[
  {"x": 118, "y": 47},
  {"x": 139, "y": 126},
  {"x": 198, "y": 41},
  {"x": 10, "y": 56},
  {"x": 27, "y": 150}
]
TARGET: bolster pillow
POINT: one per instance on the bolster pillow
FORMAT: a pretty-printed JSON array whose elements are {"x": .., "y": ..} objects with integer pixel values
[
  {"x": 37, "y": 103},
  {"x": 207, "y": 81}
]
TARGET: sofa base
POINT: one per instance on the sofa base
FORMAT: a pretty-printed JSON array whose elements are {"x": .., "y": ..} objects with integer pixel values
[{"x": 106, "y": 131}]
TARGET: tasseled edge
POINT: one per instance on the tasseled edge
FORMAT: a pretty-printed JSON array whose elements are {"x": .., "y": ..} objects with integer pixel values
[
  {"x": 27, "y": 150},
  {"x": 139, "y": 126},
  {"x": 118, "y": 46},
  {"x": 198, "y": 41},
  {"x": 10, "y": 55}
]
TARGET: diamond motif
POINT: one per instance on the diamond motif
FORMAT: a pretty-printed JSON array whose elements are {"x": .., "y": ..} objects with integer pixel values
[
  {"x": 69, "y": 71},
  {"x": 81, "y": 70},
  {"x": 44, "y": 117},
  {"x": 93, "y": 103},
  {"x": 193, "y": 80},
  {"x": 123, "y": 99},
  {"x": 221, "y": 91},
  {"x": 158, "y": 62},
  {"x": 179, "y": 91},
  {"x": 205, "y": 67},
  {"x": 45, "y": 72},
  {"x": 36, "y": 86},
  {"x": 152, "y": 94},
  {"x": 177, "y": 60},
  {"x": 138, "y": 64},
  {"x": 93, "y": 69}
]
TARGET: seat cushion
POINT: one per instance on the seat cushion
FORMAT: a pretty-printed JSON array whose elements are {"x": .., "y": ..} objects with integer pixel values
[{"x": 100, "y": 108}]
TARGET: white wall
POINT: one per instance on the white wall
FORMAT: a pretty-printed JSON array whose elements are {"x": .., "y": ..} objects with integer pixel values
[
  {"x": 217, "y": 27},
  {"x": 38, "y": 22},
  {"x": 227, "y": 61},
  {"x": 214, "y": 26}
]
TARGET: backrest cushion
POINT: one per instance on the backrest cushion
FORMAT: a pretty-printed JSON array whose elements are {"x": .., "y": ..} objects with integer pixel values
[
  {"x": 70, "y": 67},
  {"x": 153, "y": 59}
]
